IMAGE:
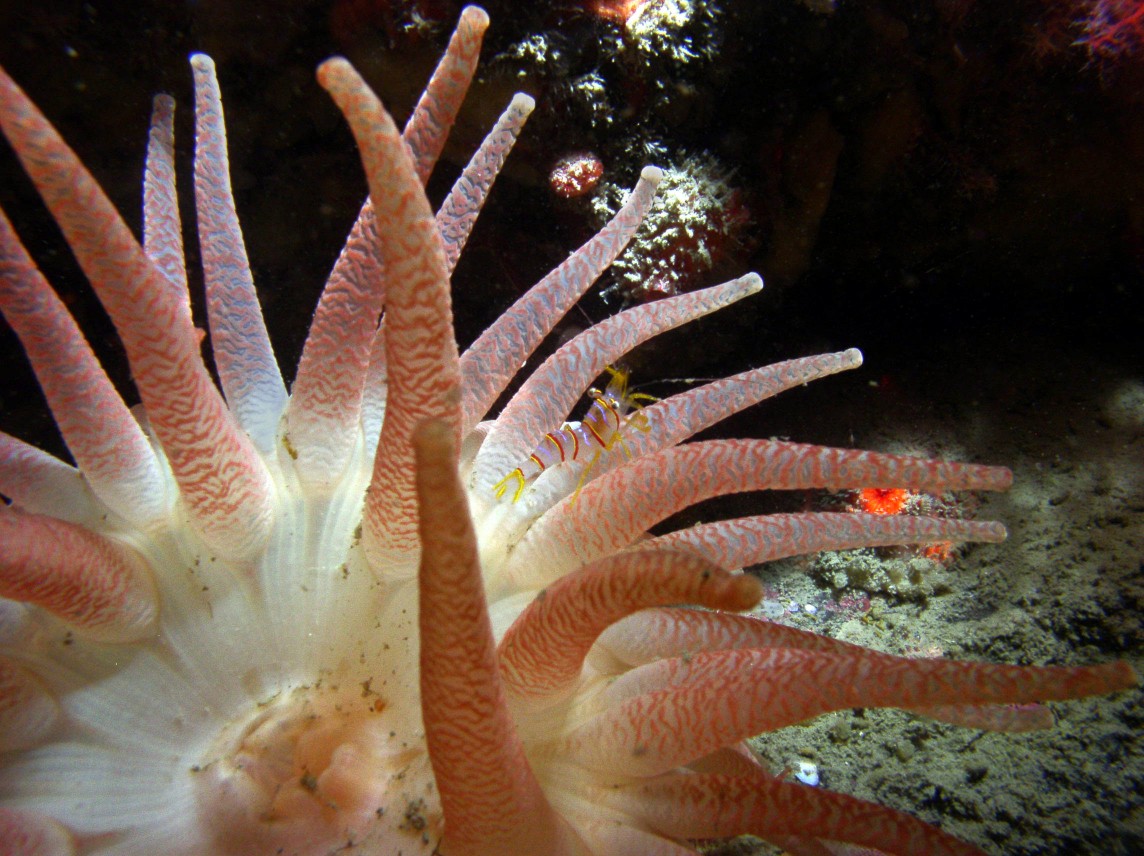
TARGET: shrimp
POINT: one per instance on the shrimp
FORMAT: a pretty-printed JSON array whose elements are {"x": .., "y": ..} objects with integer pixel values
[{"x": 611, "y": 413}]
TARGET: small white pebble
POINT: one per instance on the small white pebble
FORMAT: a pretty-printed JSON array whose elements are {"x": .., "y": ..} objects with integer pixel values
[
  {"x": 807, "y": 773},
  {"x": 811, "y": 608}
]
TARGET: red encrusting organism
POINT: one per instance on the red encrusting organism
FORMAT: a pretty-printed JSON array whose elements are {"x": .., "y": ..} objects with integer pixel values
[
  {"x": 615, "y": 10},
  {"x": 1112, "y": 30},
  {"x": 892, "y": 501},
  {"x": 575, "y": 175},
  {"x": 879, "y": 500}
]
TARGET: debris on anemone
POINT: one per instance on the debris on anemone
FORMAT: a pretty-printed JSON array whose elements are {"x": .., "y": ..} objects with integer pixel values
[{"x": 253, "y": 621}]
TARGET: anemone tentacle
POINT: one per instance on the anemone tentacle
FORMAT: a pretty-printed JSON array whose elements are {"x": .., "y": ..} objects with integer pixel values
[
  {"x": 675, "y": 710},
  {"x": 228, "y": 499},
  {"x": 99, "y": 430},
  {"x": 376, "y": 385},
  {"x": 432, "y": 119},
  {"x": 458, "y": 213},
  {"x": 41, "y": 483},
  {"x": 102, "y": 589},
  {"x": 547, "y": 396},
  {"x": 488, "y": 790},
  {"x": 162, "y": 225},
  {"x": 596, "y": 521},
  {"x": 745, "y": 541},
  {"x": 543, "y": 651},
  {"x": 498, "y": 353},
  {"x": 682, "y": 416},
  {"x": 421, "y": 356},
  {"x": 243, "y": 355},
  {"x": 706, "y": 806},
  {"x": 346, "y": 345},
  {"x": 659, "y": 634},
  {"x": 670, "y": 421}
]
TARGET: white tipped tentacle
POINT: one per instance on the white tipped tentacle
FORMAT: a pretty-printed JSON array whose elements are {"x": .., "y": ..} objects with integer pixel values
[
  {"x": 341, "y": 375},
  {"x": 421, "y": 354},
  {"x": 224, "y": 486},
  {"x": 110, "y": 449},
  {"x": 681, "y": 416},
  {"x": 745, "y": 541},
  {"x": 547, "y": 396},
  {"x": 599, "y": 519},
  {"x": 246, "y": 365},
  {"x": 162, "y": 225},
  {"x": 459, "y": 211},
  {"x": 499, "y": 352},
  {"x": 437, "y": 109},
  {"x": 43, "y": 484}
]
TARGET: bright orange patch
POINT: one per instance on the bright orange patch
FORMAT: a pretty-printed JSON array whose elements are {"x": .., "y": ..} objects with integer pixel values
[
  {"x": 881, "y": 500},
  {"x": 616, "y": 10},
  {"x": 942, "y": 551}
]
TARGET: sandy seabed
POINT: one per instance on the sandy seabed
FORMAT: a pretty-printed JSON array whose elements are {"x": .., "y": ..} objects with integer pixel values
[{"x": 1067, "y": 587}]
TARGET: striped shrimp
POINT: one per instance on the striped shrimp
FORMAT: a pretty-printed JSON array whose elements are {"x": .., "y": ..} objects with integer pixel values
[{"x": 612, "y": 411}]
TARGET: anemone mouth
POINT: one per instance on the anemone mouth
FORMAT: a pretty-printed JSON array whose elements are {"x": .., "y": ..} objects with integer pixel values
[{"x": 316, "y": 767}]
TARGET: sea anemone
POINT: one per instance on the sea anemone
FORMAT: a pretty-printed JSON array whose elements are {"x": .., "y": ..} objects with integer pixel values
[{"x": 261, "y": 622}]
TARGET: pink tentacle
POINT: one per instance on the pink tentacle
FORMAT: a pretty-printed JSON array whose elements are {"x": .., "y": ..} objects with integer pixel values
[
  {"x": 499, "y": 352},
  {"x": 737, "y": 760},
  {"x": 40, "y": 483},
  {"x": 690, "y": 706},
  {"x": 432, "y": 119},
  {"x": 162, "y": 226},
  {"x": 421, "y": 355},
  {"x": 102, "y": 589},
  {"x": 376, "y": 385},
  {"x": 223, "y": 483},
  {"x": 28, "y": 711},
  {"x": 1014, "y": 719},
  {"x": 658, "y": 634},
  {"x": 752, "y": 540},
  {"x": 243, "y": 355},
  {"x": 459, "y": 211},
  {"x": 543, "y": 651},
  {"x": 326, "y": 399},
  {"x": 599, "y": 520},
  {"x": 326, "y": 404},
  {"x": 549, "y": 393},
  {"x": 102, "y": 435},
  {"x": 490, "y": 797},
  {"x": 719, "y": 806},
  {"x": 681, "y": 416}
]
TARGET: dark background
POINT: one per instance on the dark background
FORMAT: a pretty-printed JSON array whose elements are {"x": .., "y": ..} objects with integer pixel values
[{"x": 926, "y": 181}]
